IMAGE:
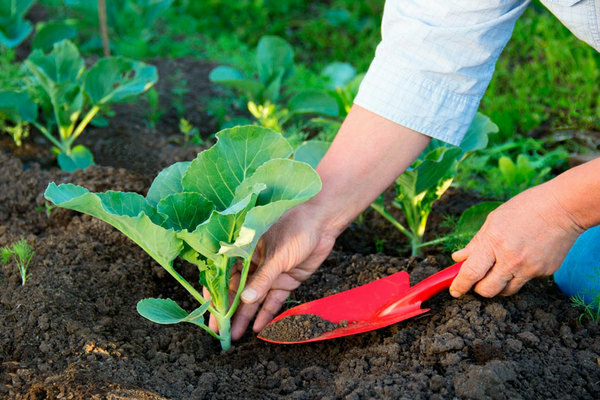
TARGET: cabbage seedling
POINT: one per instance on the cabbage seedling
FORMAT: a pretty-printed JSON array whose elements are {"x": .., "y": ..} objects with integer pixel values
[
  {"x": 209, "y": 212},
  {"x": 68, "y": 92},
  {"x": 13, "y": 26}
]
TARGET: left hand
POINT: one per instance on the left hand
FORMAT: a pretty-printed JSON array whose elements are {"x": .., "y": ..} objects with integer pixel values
[{"x": 527, "y": 237}]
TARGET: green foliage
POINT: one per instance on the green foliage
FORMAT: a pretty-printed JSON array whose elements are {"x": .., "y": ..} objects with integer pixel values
[
  {"x": 274, "y": 65},
  {"x": 469, "y": 223},
  {"x": 131, "y": 24},
  {"x": 191, "y": 136},
  {"x": 510, "y": 178},
  {"x": 22, "y": 254},
  {"x": 429, "y": 178},
  {"x": 155, "y": 112},
  {"x": 590, "y": 310},
  {"x": 53, "y": 32},
  {"x": 71, "y": 96},
  {"x": 546, "y": 76},
  {"x": 13, "y": 27},
  {"x": 17, "y": 110},
  {"x": 209, "y": 212}
]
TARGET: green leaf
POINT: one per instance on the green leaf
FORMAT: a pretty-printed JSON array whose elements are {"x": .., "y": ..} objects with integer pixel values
[
  {"x": 17, "y": 107},
  {"x": 15, "y": 8},
  {"x": 63, "y": 64},
  {"x": 13, "y": 31},
  {"x": 339, "y": 74},
  {"x": 79, "y": 158},
  {"x": 128, "y": 212},
  {"x": 239, "y": 151},
  {"x": 185, "y": 210},
  {"x": 166, "y": 311},
  {"x": 118, "y": 78},
  {"x": 221, "y": 227},
  {"x": 272, "y": 89},
  {"x": 476, "y": 137},
  {"x": 234, "y": 78},
  {"x": 431, "y": 171},
  {"x": 274, "y": 56},
  {"x": 311, "y": 152},
  {"x": 472, "y": 218},
  {"x": 280, "y": 194},
  {"x": 313, "y": 102},
  {"x": 53, "y": 32},
  {"x": 167, "y": 182}
]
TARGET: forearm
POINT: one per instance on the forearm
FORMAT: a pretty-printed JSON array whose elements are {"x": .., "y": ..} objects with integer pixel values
[
  {"x": 367, "y": 155},
  {"x": 578, "y": 192}
]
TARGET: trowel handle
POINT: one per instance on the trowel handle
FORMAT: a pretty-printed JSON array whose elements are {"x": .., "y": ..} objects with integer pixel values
[
  {"x": 423, "y": 290},
  {"x": 434, "y": 284}
]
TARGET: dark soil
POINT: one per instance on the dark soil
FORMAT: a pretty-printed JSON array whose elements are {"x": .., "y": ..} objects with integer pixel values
[
  {"x": 299, "y": 327},
  {"x": 72, "y": 332}
]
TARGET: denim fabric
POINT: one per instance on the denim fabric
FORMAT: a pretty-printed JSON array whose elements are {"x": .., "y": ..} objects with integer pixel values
[
  {"x": 437, "y": 57},
  {"x": 579, "y": 274}
]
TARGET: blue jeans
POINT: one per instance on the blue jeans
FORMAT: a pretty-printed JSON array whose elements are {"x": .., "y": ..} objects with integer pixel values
[{"x": 579, "y": 274}]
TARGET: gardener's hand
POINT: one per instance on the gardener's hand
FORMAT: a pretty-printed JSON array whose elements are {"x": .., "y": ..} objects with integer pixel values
[
  {"x": 527, "y": 237},
  {"x": 287, "y": 255}
]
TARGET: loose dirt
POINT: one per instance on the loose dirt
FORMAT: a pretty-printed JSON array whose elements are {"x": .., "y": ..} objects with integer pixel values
[{"x": 296, "y": 328}]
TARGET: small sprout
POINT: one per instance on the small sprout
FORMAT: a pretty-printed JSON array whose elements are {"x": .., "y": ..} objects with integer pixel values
[
  {"x": 590, "y": 310},
  {"x": 22, "y": 253},
  {"x": 190, "y": 133}
]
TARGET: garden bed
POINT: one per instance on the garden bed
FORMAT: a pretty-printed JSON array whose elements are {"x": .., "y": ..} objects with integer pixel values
[{"x": 73, "y": 332}]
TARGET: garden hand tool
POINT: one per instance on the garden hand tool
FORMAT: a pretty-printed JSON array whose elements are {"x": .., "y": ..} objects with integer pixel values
[{"x": 372, "y": 306}]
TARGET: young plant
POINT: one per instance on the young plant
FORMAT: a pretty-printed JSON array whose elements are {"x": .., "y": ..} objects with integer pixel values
[
  {"x": 591, "y": 309},
  {"x": 189, "y": 132},
  {"x": 68, "y": 91},
  {"x": 17, "y": 111},
  {"x": 210, "y": 212},
  {"x": 22, "y": 254},
  {"x": 511, "y": 178},
  {"x": 275, "y": 63},
  {"x": 429, "y": 178},
  {"x": 13, "y": 27}
]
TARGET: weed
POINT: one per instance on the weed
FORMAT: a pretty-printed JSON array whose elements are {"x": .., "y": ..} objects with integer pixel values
[{"x": 22, "y": 254}]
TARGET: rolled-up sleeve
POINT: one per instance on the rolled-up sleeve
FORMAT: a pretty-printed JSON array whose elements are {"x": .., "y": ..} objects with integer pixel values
[{"x": 435, "y": 61}]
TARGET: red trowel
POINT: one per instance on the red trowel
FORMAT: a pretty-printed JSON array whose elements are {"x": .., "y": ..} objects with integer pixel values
[{"x": 372, "y": 306}]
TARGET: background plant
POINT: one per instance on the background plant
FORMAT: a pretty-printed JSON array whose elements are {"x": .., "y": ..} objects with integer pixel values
[
  {"x": 428, "y": 179},
  {"x": 209, "y": 212},
  {"x": 22, "y": 254},
  {"x": 14, "y": 28},
  {"x": 71, "y": 97}
]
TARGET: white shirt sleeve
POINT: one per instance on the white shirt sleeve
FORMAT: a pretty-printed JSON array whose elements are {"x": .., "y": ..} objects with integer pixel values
[{"x": 435, "y": 61}]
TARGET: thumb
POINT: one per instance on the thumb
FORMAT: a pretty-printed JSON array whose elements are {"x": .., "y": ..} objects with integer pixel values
[
  {"x": 461, "y": 255},
  {"x": 261, "y": 282}
]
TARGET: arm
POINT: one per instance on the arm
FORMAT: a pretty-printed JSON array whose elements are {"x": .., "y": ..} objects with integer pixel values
[{"x": 530, "y": 235}]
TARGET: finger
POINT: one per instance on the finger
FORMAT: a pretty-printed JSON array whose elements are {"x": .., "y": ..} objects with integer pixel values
[
  {"x": 261, "y": 281},
  {"x": 242, "y": 318},
  {"x": 472, "y": 271},
  {"x": 212, "y": 321},
  {"x": 461, "y": 255},
  {"x": 270, "y": 308},
  {"x": 494, "y": 282},
  {"x": 234, "y": 281},
  {"x": 513, "y": 286}
]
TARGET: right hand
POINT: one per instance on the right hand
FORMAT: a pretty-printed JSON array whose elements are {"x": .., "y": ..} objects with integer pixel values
[{"x": 288, "y": 254}]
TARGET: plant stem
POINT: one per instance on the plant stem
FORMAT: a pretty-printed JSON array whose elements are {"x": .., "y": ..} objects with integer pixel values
[
  {"x": 84, "y": 122},
  {"x": 48, "y": 136},
  {"x": 240, "y": 288},
  {"x": 188, "y": 287},
  {"x": 381, "y": 210},
  {"x": 224, "y": 325}
]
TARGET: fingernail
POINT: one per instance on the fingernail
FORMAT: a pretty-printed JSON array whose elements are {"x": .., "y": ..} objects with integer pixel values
[
  {"x": 249, "y": 295},
  {"x": 454, "y": 293}
]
